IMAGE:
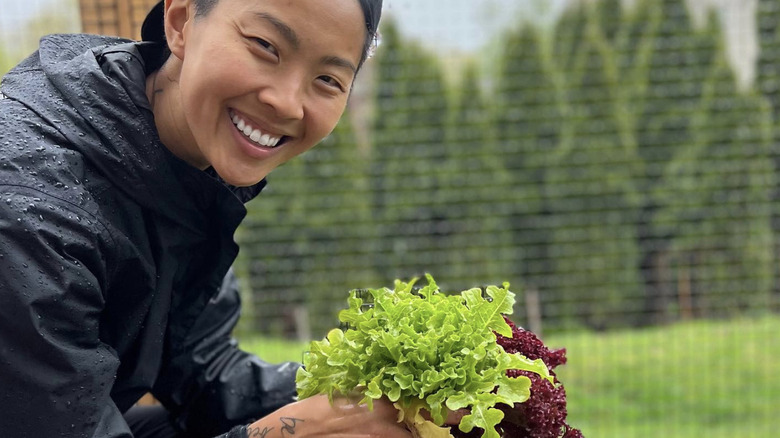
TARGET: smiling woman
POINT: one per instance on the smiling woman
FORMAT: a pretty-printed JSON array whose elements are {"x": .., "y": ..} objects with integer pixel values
[
  {"x": 245, "y": 73},
  {"x": 125, "y": 169}
]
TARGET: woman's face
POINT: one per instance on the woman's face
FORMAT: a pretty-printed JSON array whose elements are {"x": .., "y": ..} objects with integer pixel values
[{"x": 262, "y": 81}]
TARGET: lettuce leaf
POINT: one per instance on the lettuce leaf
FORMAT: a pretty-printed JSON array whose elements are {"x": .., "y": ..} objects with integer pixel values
[{"x": 423, "y": 349}]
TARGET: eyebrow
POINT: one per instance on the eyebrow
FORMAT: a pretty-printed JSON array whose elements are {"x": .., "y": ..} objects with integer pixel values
[
  {"x": 284, "y": 29},
  {"x": 339, "y": 62}
]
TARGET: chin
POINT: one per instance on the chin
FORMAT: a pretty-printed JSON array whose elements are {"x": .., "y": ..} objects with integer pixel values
[
  {"x": 242, "y": 182},
  {"x": 240, "y": 179}
]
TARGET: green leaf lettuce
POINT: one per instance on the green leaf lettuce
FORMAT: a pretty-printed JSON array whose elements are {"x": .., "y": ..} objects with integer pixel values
[{"x": 423, "y": 350}]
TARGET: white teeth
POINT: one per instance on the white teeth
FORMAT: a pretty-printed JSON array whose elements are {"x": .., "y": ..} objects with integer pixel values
[{"x": 254, "y": 134}]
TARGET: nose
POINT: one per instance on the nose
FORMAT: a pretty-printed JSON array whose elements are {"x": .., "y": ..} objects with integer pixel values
[{"x": 285, "y": 95}]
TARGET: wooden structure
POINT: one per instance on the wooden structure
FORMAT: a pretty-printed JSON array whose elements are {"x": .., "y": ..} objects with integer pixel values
[{"x": 114, "y": 17}]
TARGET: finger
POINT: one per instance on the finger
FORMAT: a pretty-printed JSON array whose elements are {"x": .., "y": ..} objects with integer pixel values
[{"x": 454, "y": 417}]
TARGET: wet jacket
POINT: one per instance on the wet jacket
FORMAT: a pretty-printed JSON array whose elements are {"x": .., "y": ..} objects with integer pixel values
[{"x": 114, "y": 258}]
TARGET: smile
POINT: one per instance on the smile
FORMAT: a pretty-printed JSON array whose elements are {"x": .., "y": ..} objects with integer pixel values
[{"x": 254, "y": 134}]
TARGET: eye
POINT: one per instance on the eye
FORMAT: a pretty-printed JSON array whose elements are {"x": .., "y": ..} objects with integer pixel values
[
  {"x": 265, "y": 45},
  {"x": 331, "y": 82}
]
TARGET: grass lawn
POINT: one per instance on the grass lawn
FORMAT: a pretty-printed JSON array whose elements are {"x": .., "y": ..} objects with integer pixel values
[{"x": 700, "y": 379}]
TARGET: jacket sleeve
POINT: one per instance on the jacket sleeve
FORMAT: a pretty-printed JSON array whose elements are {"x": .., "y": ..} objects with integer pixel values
[
  {"x": 55, "y": 373},
  {"x": 213, "y": 385}
]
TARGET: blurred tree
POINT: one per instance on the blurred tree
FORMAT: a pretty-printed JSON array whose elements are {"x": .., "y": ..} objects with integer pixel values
[
  {"x": 568, "y": 35},
  {"x": 410, "y": 118},
  {"x": 768, "y": 69},
  {"x": 634, "y": 46},
  {"x": 5, "y": 62},
  {"x": 610, "y": 18},
  {"x": 317, "y": 208},
  {"x": 338, "y": 226},
  {"x": 390, "y": 84},
  {"x": 717, "y": 198},
  {"x": 528, "y": 113},
  {"x": 59, "y": 16},
  {"x": 678, "y": 65},
  {"x": 768, "y": 84},
  {"x": 274, "y": 242},
  {"x": 594, "y": 235},
  {"x": 471, "y": 180}
]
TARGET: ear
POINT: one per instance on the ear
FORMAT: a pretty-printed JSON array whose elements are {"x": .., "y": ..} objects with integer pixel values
[{"x": 178, "y": 14}]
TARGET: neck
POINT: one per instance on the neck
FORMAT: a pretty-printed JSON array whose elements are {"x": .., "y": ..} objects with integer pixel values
[{"x": 162, "y": 90}]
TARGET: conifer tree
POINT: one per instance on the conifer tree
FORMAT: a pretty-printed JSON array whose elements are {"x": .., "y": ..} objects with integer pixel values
[
  {"x": 568, "y": 35},
  {"x": 273, "y": 253},
  {"x": 677, "y": 66},
  {"x": 477, "y": 249},
  {"x": 596, "y": 254},
  {"x": 390, "y": 88},
  {"x": 339, "y": 232},
  {"x": 768, "y": 67},
  {"x": 610, "y": 18},
  {"x": 411, "y": 113},
  {"x": 528, "y": 132},
  {"x": 768, "y": 85},
  {"x": 306, "y": 240},
  {"x": 717, "y": 198},
  {"x": 5, "y": 62}
]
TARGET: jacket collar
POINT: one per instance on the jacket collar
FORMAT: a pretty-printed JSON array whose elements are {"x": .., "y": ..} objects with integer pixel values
[{"x": 92, "y": 89}]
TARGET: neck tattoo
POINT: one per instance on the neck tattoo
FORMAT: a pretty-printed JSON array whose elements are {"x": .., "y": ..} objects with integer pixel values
[{"x": 155, "y": 90}]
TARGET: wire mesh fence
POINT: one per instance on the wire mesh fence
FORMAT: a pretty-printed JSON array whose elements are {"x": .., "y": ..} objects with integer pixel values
[
  {"x": 610, "y": 164},
  {"x": 615, "y": 161}
]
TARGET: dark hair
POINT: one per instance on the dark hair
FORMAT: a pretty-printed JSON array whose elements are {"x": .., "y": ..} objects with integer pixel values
[{"x": 372, "y": 12}]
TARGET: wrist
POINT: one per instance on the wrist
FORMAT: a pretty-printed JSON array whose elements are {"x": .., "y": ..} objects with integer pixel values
[{"x": 281, "y": 423}]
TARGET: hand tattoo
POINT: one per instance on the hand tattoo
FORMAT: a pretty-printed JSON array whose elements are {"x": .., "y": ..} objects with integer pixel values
[
  {"x": 256, "y": 432},
  {"x": 289, "y": 424}
]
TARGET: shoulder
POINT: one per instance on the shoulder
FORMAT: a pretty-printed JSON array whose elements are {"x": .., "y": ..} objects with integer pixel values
[{"x": 38, "y": 166}]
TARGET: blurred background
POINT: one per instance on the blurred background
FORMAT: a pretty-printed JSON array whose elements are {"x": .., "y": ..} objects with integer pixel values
[{"x": 615, "y": 161}]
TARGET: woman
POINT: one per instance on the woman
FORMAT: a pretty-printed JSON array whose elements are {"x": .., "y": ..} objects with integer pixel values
[{"x": 124, "y": 169}]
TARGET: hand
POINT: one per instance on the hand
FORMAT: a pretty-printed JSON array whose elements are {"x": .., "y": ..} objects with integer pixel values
[
  {"x": 454, "y": 417},
  {"x": 316, "y": 417}
]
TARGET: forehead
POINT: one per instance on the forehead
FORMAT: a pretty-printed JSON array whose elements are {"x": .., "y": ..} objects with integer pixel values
[{"x": 335, "y": 24}]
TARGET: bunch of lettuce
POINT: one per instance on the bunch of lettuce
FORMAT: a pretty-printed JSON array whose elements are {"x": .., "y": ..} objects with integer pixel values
[{"x": 424, "y": 349}]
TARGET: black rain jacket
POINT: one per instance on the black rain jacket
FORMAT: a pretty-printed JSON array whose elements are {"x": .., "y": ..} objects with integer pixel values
[{"x": 114, "y": 258}]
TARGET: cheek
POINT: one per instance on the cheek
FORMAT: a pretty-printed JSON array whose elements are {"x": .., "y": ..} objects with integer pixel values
[
  {"x": 205, "y": 93},
  {"x": 326, "y": 119},
  {"x": 217, "y": 72}
]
